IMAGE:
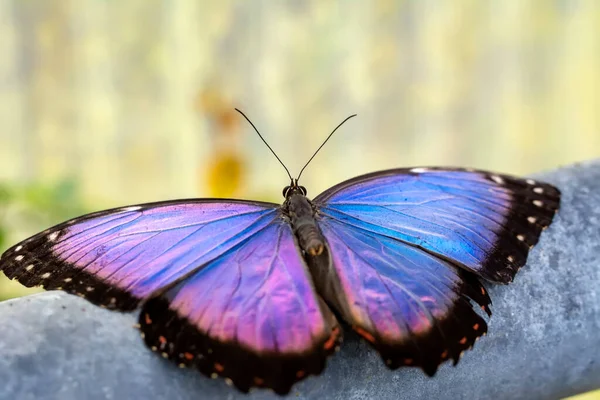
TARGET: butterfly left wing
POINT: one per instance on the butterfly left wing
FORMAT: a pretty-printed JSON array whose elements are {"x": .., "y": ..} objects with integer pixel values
[
  {"x": 251, "y": 316},
  {"x": 118, "y": 258}
]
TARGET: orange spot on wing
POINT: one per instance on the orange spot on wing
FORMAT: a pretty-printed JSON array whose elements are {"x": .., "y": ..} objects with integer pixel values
[
  {"x": 482, "y": 290},
  {"x": 463, "y": 340},
  {"x": 444, "y": 354},
  {"x": 476, "y": 326},
  {"x": 219, "y": 367},
  {"x": 408, "y": 361},
  {"x": 188, "y": 356},
  {"x": 331, "y": 341},
  {"x": 162, "y": 339},
  {"x": 148, "y": 320},
  {"x": 364, "y": 334},
  {"x": 300, "y": 374}
]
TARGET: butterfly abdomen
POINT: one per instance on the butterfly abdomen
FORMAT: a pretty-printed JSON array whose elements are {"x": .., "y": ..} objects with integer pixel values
[{"x": 301, "y": 214}]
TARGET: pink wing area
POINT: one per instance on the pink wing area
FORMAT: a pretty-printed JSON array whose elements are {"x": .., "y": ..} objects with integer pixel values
[
  {"x": 251, "y": 316},
  {"x": 413, "y": 307},
  {"x": 120, "y": 257}
]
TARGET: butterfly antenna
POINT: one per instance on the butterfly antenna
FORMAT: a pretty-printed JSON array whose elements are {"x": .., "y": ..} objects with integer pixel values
[
  {"x": 265, "y": 142},
  {"x": 330, "y": 135}
]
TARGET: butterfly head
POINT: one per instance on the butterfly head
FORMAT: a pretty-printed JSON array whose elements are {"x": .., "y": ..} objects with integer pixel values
[{"x": 294, "y": 188}]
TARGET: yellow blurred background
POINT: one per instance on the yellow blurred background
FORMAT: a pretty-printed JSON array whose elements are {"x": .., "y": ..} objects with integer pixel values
[{"x": 108, "y": 103}]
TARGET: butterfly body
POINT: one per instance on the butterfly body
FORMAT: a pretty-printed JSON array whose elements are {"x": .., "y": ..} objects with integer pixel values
[
  {"x": 249, "y": 291},
  {"x": 302, "y": 218}
]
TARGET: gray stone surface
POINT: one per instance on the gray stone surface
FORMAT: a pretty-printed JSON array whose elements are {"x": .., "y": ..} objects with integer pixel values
[{"x": 544, "y": 340}]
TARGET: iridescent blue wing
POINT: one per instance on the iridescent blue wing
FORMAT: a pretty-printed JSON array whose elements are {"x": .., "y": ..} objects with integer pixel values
[
  {"x": 251, "y": 316},
  {"x": 483, "y": 222},
  {"x": 403, "y": 248},
  {"x": 120, "y": 257}
]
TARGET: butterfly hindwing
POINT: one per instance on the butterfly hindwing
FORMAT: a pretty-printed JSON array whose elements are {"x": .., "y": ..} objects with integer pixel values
[
  {"x": 120, "y": 257},
  {"x": 413, "y": 307},
  {"x": 251, "y": 316},
  {"x": 482, "y": 221}
]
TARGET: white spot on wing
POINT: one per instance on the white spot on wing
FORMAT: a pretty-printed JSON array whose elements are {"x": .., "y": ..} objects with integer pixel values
[
  {"x": 29, "y": 267},
  {"x": 67, "y": 280},
  {"x": 19, "y": 258},
  {"x": 538, "y": 190},
  {"x": 52, "y": 237},
  {"x": 510, "y": 258},
  {"x": 530, "y": 181},
  {"x": 46, "y": 275},
  {"x": 497, "y": 179},
  {"x": 132, "y": 208},
  {"x": 521, "y": 237},
  {"x": 532, "y": 220},
  {"x": 419, "y": 170},
  {"x": 19, "y": 248},
  {"x": 538, "y": 203}
]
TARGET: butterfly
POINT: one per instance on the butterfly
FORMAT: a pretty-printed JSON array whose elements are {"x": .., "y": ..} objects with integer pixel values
[{"x": 253, "y": 291}]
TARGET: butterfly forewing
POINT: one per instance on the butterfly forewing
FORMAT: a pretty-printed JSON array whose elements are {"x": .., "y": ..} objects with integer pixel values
[
  {"x": 251, "y": 316},
  {"x": 119, "y": 257},
  {"x": 484, "y": 222}
]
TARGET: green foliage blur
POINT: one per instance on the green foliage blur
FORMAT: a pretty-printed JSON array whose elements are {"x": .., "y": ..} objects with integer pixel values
[{"x": 28, "y": 208}]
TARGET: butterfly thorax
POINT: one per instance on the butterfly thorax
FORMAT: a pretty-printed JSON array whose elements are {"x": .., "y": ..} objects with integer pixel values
[{"x": 302, "y": 217}]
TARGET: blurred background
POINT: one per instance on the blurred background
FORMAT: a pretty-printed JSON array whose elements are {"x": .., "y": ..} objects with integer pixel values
[
  {"x": 109, "y": 103},
  {"x": 106, "y": 103}
]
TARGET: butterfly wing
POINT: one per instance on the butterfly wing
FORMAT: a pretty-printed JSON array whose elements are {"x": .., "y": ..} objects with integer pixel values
[
  {"x": 120, "y": 257},
  {"x": 413, "y": 307},
  {"x": 251, "y": 316},
  {"x": 483, "y": 222},
  {"x": 402, "y": 245}
]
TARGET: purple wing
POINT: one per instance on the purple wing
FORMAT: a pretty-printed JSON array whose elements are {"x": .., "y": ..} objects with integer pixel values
[
  {"x": 251, "y": 316},
  {"x": 484, "y": 222},
  {"x": 120, "y": 257},
  {"x": 402, "y": 247},
  {"x": 413, "y": 307}
]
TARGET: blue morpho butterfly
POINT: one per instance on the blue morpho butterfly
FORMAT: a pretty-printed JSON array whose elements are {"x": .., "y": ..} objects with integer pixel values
[{"x": 247, "y": 290}]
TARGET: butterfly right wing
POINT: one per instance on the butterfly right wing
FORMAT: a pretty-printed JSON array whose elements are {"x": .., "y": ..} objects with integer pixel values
[
  {"x": 251, "y": 316},
  {"x": 119, "y": 257}
]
